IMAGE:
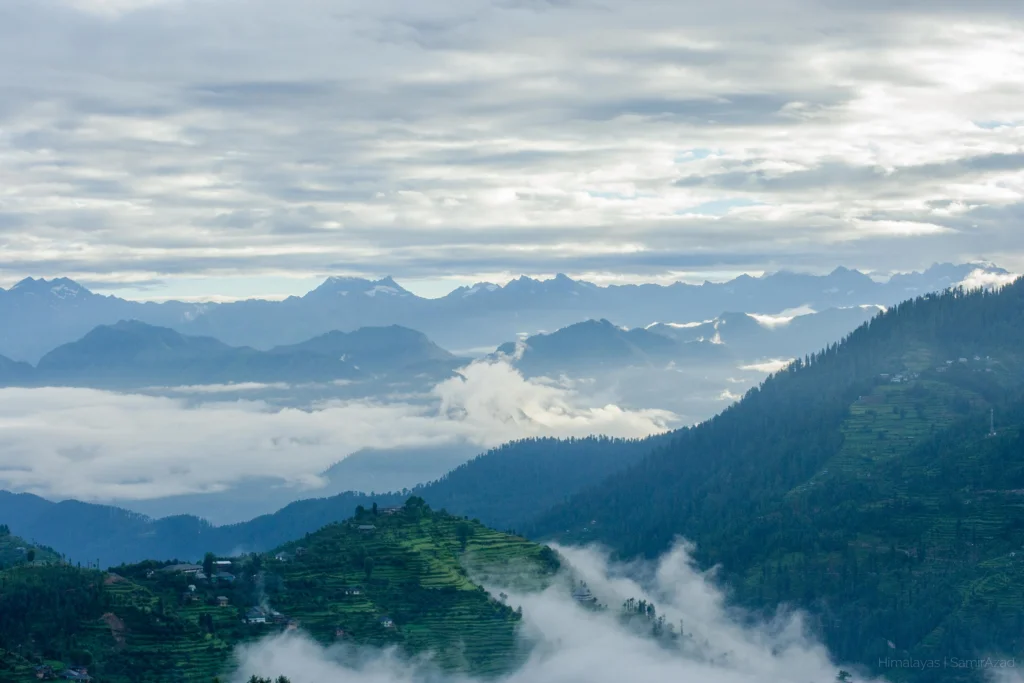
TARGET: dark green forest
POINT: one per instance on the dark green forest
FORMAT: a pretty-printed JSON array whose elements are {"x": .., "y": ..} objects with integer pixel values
[{"x": 861, "y": 483}]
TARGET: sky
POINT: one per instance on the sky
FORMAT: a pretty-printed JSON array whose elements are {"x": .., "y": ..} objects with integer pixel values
[{"x": 227, "y": 148}]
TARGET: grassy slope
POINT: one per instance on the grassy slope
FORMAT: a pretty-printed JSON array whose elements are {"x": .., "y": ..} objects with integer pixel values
[{"x": 417, "y": 578}]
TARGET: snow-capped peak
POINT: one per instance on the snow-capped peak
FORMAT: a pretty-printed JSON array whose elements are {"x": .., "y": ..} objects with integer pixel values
[{"x": 480, "y": 287}]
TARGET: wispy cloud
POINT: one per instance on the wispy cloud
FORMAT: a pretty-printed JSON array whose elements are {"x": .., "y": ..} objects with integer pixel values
[
  {"x": 783, "y": 318},
  {"x": 981, "y": 279},
  {"x": 767, "y": 366}
]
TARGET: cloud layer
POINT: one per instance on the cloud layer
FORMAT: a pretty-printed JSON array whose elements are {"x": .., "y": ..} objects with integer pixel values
[
  {"x": 144, "y": 140},
  {"x": 571, "y": 644},
  {"x": 95, "y": 445}
]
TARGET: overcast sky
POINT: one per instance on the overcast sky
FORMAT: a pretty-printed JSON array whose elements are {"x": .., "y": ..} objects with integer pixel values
[{"x": 233, "y": 147}]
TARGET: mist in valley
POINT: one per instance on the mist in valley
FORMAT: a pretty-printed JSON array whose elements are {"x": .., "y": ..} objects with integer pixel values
[{"x": 700, "y": 638}]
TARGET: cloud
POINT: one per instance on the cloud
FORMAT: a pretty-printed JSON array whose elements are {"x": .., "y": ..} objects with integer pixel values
[
  {"x": 982, "y": 279},
  {"x": 223, "y": 388},
  {"x": 729, "y": 396},
  {"x": 571, "y": 644},
  {"x": 769, "y": 367},
  {"x": 783, "y": 318},
  {"x": 97, "y": 445},
  {"x": 153, "y": 141}
]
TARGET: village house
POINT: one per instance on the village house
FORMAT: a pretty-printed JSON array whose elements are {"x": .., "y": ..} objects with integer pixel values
[
  {"x": 222, "y": 601},
  {"x": 45, "y": 673},
  {"x": 386, "y": 622},
  {"x": 299, "y": 552},
  {"x": 339, "y": 632},
  {"x": 255, "y": 615},
  {"x": 282, "y": 557},
  {"x": 388, "y": 511},
  {"x": 225, "y": 576},
  {"x": 366, "y": 528},
  {"x": 353, "y": 590},
  {"x": 187, "y": 569},
  {"x": 79, "y": 673}
]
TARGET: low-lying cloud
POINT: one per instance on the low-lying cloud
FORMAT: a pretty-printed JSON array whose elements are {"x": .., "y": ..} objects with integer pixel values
[
  {"x": 783, "y": 318},
  {"x": 98, "y": 445},
  {"x": 768, "y": 366},
  {"x": 983, "y": 279},
  {"x": 570, "y": 644}
]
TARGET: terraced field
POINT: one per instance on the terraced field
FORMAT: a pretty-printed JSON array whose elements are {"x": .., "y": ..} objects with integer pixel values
[
  {"x": 887, "y": 423},
  {"x": 917, "y": 524},
  {"x": 418, "y": 573},
  {"x": 411, "y": 578}
]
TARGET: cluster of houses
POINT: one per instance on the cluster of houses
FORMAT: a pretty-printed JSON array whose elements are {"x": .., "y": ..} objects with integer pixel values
[
  {"x": 904, "y": 377},
  {"x": 195, "y": 571},
  {"x": 71, "y": 673},
  {"x": 987, "y": 360},
  {"x": 261, "y": 615},
  {"x": 899, "y": 378}
]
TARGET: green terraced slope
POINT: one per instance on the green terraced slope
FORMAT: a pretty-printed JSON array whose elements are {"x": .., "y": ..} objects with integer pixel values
[{"x": 406, "y": 577}]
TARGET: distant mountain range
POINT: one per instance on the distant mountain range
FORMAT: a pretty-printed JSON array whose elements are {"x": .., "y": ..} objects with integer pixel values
[
  {"x": 594, "y": 345},
  {"x": 40, "y": 315},
  {"x": 132, "y": 354}
]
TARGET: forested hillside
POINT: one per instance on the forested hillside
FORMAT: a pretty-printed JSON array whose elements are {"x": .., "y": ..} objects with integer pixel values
[
  {"x": 861, "y": 483},
  {"x": 386, "y": 577},
  {"x": 510, "y": 485}
]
